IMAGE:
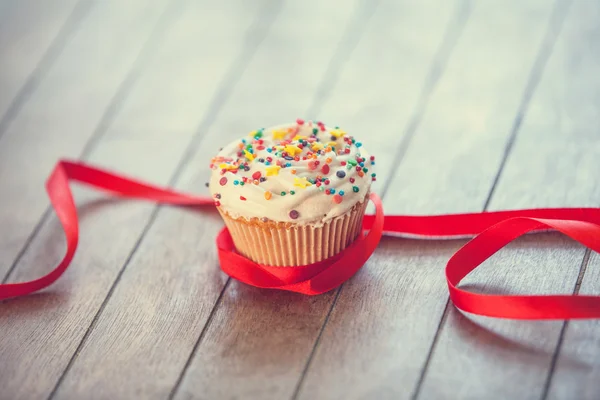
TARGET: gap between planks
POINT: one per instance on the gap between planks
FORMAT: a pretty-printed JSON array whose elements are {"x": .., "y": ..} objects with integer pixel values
[
  {"x": 109, "y": 114},
  {"x": 37, "y": 75},
  {"x": 554, "y": 26},
  {"x": 451, "y": 36},
  {"x": 256, "y": 33}
]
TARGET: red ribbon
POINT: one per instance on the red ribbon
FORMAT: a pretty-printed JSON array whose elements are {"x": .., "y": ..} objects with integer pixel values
[{"x": 492, "y": 231}]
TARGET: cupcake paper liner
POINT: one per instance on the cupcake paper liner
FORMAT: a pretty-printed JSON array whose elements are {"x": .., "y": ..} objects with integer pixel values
[{"x": 288, "y": 244}]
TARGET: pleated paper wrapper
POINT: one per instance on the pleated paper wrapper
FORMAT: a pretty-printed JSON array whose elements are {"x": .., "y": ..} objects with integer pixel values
[{"x": 288, "y": 244}]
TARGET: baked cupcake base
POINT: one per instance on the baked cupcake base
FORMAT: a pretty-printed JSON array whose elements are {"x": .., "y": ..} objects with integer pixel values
[{"x": 288, "y": 244}]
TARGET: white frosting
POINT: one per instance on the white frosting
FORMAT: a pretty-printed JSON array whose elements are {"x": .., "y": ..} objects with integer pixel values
[{"x": 309, "y": 204}]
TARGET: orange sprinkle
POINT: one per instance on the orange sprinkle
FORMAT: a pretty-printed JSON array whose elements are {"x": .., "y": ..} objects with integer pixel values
[
  {"x": 255, "y": 182},
  {"x": 240, "y": 145},
  {"x": 293, "y": 171},
  {"x": 328, "y": 160},
  {"x": 268, "y": 195},
  {"x": 328, "y": 149},
  {"x": 361, "y": 174}
]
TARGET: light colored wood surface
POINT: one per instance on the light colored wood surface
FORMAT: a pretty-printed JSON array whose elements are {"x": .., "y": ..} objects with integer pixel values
[
  {"x": 65, "y": 112},
  {"x": 569, "y": 101},
  {"x": 449, "y": 166},
  {"x": 153, "y": 88},
  {"x": 542, "y": 171},
  {"x": 32, "y": 34}
]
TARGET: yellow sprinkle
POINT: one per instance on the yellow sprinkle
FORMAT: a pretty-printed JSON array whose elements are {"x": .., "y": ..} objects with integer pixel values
[
  {"x": 273, "y": 170},
  {"x": 301, "y": 182},
  {"x": 227, "y": 166},
  {"x": 317, "y": 146},
  {"x": 279, "y": 134},
  {"x": 252, "y": 133},
  {"x": 248, "y": 155},
  {"x": 332, "y": 144},
  {"x": 292, "y": 150},
  {"x": 337, "y": 133},
  {"x": 298, "y": 137}
]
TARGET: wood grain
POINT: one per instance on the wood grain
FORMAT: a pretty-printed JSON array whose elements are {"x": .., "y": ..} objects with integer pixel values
[
  {"x": 41, "y": 332},
  {"x": 551, "y": 164},
  {"x": 386, "y": 316},
  {"x": 568, "y": 107},
  {"x": 177, "y": 254},
  {"x": 167, "y": 295},
  {"x": 61, "y": 117},
  {"x": 261, "y": 338},
  {"x": 29, "y": 42}
]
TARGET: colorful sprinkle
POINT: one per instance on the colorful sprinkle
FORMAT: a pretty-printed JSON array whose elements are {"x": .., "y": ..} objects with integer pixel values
[
  {"x": 279, "y": 134},
  {"x": 325, "y": 169},
  {"x": 294, "y": 214},
  {"x": 283, "y": 193},
  {"x": 355, "y": 189},
  {"x": 337, "y": 199},
  {"x": 301, "y": 182},
  {"x": 242, "y": 198},
  {"x": 273, "y": 170},
  {"x": 341, "y": 192},
  {"x": 236, "y": 182},
  {"x": 340, "y": 174},
  {"x": 256, "y": 175},
  {"x": 249, "y": 155},
  {"x": 223, "y": 181},
  {"x": 268, "y": 195}
]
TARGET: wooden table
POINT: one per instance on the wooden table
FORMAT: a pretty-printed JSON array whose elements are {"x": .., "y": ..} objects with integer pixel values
[{"x": 468, "y": 106}]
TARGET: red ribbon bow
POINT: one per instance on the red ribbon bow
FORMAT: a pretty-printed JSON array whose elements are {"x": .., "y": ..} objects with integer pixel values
[{"x": 492, "y": 231}]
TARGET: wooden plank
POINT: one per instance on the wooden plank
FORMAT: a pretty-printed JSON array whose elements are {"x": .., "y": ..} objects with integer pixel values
[
  {"x": 32, "y": 33},
  {"x": 154, "y": 129},
  {"x": 41, "y": 332},
  {"x": 568, "y": 104},
  {"x": 377, "y": 338},
  {"x": 59, "y": 119},
  {"x": 261, "y": 339},
  {"x": 551, "y": 164},
  {"x": 177, "y": 253}
]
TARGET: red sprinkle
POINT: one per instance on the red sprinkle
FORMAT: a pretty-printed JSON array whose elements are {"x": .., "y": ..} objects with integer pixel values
[
  {"x": 312, "y": 165},
  {"x": 343, "y": 163},
  {"x": 223, "y": 181},
  {"x": 217, "y": 203},
  {"x": 242, "y": 198},
  {"x": 300, "y": 121},
  {"x": 325, "y": 169},
  {"x": 256, "y": 175},
  {"x": 327, "y": 191},
  {"x": 327, "y": 181},
  {"x": 337, "y": 198},
  {"x": 351, "y": 180},
  {"x": 358, "y": 168},
  {"x": 347, "y": 151}
]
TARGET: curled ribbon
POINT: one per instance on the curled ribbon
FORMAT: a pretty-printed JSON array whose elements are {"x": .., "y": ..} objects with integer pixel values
[{"x": 491, "y": 230}]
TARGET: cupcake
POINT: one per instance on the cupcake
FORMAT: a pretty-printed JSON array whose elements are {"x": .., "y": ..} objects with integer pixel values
[{"x": 293, "y": 194}]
